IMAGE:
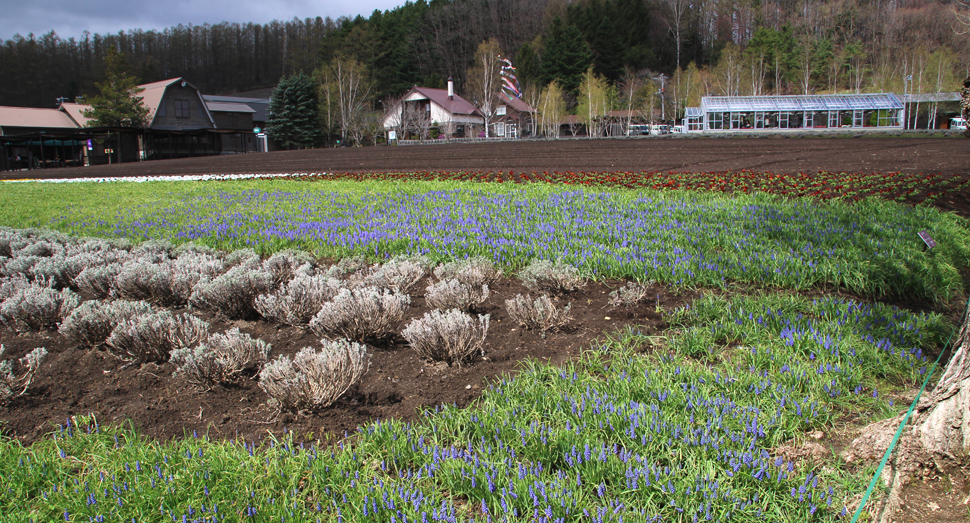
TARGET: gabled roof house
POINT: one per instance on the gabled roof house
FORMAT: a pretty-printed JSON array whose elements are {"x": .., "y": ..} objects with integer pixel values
[{"x": 422, "y": 107}]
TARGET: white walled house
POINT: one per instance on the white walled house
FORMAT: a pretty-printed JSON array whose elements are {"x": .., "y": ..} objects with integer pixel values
[{"x": 423, "y": 108}]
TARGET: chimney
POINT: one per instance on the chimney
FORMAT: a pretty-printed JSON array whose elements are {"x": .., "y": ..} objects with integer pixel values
[{"x": 451, "y": 89}]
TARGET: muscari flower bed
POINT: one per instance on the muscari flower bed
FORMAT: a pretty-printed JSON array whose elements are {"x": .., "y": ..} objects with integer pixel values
[{"x": 869, "y": 247}]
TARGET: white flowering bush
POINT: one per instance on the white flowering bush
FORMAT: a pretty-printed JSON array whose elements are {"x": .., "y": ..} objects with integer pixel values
[
  {"x": 474, "y": 272},
  {"x": 541, "y": 314},
  {"x": 629, "y": 295},
  {"x": 297, "y": 301},
  {"x": 450, "y": 336},
  {"x": 314, "y": 379},
  {"x": 222, "y": 358},
  {"x": 14, "y": 384},
  {"x": 37, "y": 307},
  {"x": 92, "y": 322},
  {"x": 451, "y": 293},
  {"x": 234, "y": 293},
  {"x": 361, "y": 314},
  {"x": 152, "y": 337},
  {"x": 555, "y": 278}
]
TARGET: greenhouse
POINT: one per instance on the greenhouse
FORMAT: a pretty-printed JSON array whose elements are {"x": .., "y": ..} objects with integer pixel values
[{"x": 815, "y": 112}]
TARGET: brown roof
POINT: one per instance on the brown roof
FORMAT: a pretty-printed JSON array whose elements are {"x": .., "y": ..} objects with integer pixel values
[
  {"x": 76, "y": 112},
  {"x": 35, "y": 117},
  {"x": 517, "y": 104},
  {"x": 458, "y": 105}
]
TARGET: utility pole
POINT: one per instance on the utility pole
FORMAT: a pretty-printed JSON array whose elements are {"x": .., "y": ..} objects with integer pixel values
[
  {"x": 906, "y": 80},
  {"x": 662, "y": 92}
]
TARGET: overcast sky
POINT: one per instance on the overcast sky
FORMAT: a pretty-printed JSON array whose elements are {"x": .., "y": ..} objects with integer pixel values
[{"x": 72, "y": 17}]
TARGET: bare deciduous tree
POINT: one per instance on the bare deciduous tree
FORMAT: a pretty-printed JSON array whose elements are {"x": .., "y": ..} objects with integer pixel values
[
  {"x": 346, "y": 90},
  {"x": 552, "y": 108},
  {"x": 485, "y": 80}
]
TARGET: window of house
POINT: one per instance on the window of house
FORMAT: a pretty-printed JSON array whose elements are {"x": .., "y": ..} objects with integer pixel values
[{"x": 181, "y": 108}]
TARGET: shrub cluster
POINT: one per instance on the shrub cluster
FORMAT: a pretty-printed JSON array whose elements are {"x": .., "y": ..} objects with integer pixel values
[
  {"x": 234, "y": 292},
  {"x": 399, "y": 274},
  {"x": 362, "y": 314},
  {"x": 35, "y": 307},
  {"x": 222, "y": 358},
  {"x": 450, "y": 336},
  {"x": 451, "y": 293},
  {"x": 152, "y": 337},
  {"x": 629, "y": 295},
  {"x": 541, "y": 315},
  {"x": 92, "y": 322},
  {"x": 474, "y": 272},
  {"x": 13, "y": 385},
  {"x": 314, "y": 379},
  {"x": 297, "y": 301},
  {"x": 555, "y": 278}
]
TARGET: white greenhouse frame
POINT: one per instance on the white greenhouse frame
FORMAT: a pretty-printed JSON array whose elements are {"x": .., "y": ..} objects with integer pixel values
[{"x": 811, "y": 112}]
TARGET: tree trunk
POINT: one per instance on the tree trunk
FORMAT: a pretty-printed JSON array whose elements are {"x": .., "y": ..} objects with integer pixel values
[{"x": 939, "y": 429}]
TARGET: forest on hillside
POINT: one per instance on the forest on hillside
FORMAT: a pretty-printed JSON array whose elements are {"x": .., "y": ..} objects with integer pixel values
[{"x": 702, "y": 46}]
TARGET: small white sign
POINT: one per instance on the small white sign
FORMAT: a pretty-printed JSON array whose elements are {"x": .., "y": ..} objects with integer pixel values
[{"x": 392, "y": 135}]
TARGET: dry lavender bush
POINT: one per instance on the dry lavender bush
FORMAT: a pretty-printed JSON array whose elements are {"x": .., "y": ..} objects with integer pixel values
[
  {"x": 155, "y": 251},
  {"x": 234, "y": 293},
  {"x": 399, "y": 274},
  {"x": 93, "y": 321},
  {"x": 555, "y": 278},
  {"x": 297, "y": 301},
  {"x": 451, "y": 293},
  {"x": 20, "y": 266},
  {"x": 541, "y": 315},
  {"x": 11, "y": 285},
  {"x": 98, "y": 281},
  {"x": 314, "y": 379},
  {"x": 61, "y": 269},
  {"x": 450, "y": 336},
  {"x": 474, "y": 272},
  {"x": 362, "y": 314},
  {"x": 284, "y": 265},
  {"x": 152, "y": 337},
  {"x": 244, "y": 258},
  {"x": 37, "y": 307},
  {"x": 12, "y": 385},
  {"x": 223, "y": 358},
  {"x": 629, "y": 295}
]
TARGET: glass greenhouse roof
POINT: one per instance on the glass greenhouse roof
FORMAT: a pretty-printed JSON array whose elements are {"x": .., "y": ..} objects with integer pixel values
[{"x": 821, "y": 102}]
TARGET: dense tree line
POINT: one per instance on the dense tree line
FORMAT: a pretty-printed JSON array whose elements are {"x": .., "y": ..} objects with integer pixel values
[{"x": 783, "y": 46}]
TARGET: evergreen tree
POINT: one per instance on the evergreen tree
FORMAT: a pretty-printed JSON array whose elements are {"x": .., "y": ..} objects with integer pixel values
[
  {"x": 528, "y": 69},
  {"x": 294, "y": 120},
  {"x": 118, "y": 105},
  {"x": 566, "y": 56}
]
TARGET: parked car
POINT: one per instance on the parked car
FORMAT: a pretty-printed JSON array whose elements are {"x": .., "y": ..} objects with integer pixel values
[{"x": 958, "y": 123}]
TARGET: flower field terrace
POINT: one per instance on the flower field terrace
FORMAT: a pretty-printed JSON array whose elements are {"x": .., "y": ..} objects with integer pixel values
[
  {"x": 914, "y": 188},
  {"x": 688, "y": 423},
  {"x": 869, "y": 247}
]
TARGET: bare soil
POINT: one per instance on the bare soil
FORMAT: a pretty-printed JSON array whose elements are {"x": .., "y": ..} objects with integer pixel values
[{"x": 399, "y": 384}]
